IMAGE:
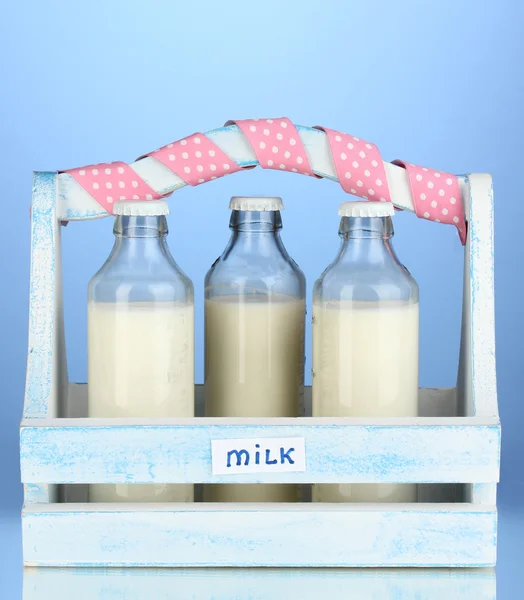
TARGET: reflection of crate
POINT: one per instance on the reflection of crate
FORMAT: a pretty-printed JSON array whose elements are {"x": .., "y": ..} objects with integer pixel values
[{"x": 451, "y": 525}]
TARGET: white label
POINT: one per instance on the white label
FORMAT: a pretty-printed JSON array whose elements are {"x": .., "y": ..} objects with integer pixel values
[{"x": 258, "y": 455}]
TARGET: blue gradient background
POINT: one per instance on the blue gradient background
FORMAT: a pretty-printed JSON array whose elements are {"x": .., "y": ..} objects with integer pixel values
[{"x": 436, "y": 83}]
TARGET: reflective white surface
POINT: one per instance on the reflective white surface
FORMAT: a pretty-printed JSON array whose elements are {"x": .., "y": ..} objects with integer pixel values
[{"x": 258, "y": 584}]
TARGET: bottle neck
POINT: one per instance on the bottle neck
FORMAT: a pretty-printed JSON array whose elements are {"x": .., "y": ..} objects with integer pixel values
[
  {"x": 140, "y": 227},
  {"x": 253, "y": 221},
  {"x": 255, "y": 231},
  {"x": 366, "y": 239},
  {"x": 140, "y": 237}
]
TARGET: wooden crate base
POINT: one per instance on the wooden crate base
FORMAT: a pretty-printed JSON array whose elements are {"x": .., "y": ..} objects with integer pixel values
[
  {"x": 241, "y": 535},
  {"x": 452, "y": 524},
  {"x": 255, "y": 584}
]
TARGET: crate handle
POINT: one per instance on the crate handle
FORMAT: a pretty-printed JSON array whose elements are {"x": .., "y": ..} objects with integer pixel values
[{"x": 276, "y": 144}]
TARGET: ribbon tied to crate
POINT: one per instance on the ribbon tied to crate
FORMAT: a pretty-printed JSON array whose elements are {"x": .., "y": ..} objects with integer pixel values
[{"x": 277, "y": 144}]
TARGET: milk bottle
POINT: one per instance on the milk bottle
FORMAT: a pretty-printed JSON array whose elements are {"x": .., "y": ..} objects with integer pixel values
[
  {"x": 365, "y": 337},
  {"x": 140, "y": 337},
  {"x": 254, "y": 333}
]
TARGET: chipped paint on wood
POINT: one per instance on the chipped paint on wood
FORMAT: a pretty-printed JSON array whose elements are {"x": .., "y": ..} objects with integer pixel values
[
  {"x": 42, "y": 306},
  {"x": 476, "y": 383},
  {"x": 256, "y": 584},
  {"x": 256, "y": 535},
  {"x": 482, "y": 319},
  {"x": 338, "y": 450}
]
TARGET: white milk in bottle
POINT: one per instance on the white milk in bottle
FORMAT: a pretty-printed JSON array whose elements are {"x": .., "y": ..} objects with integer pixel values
[
  {"x": 245, "y": 374},
  {"x": 365, "y": 338},
  {"x": 140, "y": 338},
  {"x": 254, "y": 333}
]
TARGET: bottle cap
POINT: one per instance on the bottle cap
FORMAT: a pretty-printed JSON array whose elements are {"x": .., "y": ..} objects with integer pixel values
[
  {"x": 141, "y": 208},
  {"x": 366, "y": 209},
  {"x": 259, "y": 203}
]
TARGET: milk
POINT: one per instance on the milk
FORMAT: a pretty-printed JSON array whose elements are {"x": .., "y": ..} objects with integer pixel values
[
  {"x": 251, "y": 492},
  {"x": 365, "y": 364},
  {"x": 141, "y": 364},
  {"x": 254, "y": 367}
]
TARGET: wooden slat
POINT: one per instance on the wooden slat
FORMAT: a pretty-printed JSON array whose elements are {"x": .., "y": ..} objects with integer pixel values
[
  {"x": 421, "y": 450},
  {"x": 481, "y": 234},
  {"x": 45, "y": 364},
  {"x": 257, "y": 584},
  {"x": 477, "y": 389},
  {"x": 259, "y": 535}
]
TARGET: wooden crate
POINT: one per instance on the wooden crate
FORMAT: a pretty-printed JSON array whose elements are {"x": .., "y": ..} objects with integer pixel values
[{"x": 452, "y": 451}]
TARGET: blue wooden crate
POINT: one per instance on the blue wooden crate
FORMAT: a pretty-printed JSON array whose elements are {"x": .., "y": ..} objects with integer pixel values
[{"x": 452, "y": 451}]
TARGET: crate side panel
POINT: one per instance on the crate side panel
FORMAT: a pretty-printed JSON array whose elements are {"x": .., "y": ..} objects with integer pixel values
[
  {"x": 41, "y": 398},
  {"x": 465, "y": 404},
  {"x": 261, "y": 536},
  {"x": 483, "y": 295},
  {"x": 334, "y": 453},
  {"x": 477, "y": 370}
]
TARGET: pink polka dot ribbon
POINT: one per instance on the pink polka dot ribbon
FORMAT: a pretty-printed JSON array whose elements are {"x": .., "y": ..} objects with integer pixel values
[
  {"x": 358, "y": 165},
  {"x": 436, "y": 196},
  {"x": 196, "y": 159},
  {"x": 360, "y": 171},
  {"x": 276, "y": 144},
  {"x": 109, "y": 182}
]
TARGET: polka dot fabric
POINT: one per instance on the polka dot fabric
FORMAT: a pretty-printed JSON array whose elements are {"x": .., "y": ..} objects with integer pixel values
[
  {"x": 196, "y": 159},
  {"x": 358, "y": 165},
  {"x": 436, "y": 196},
  {"x": 109, "y": 182},
  {"x": 276, "y": 144}
]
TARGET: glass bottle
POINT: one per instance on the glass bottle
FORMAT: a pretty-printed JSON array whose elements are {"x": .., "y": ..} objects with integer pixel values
[
  {"x": 254, "y": 332},
  {"x": 140, "y": 337},
  {"x": 365, "y": 337}
]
